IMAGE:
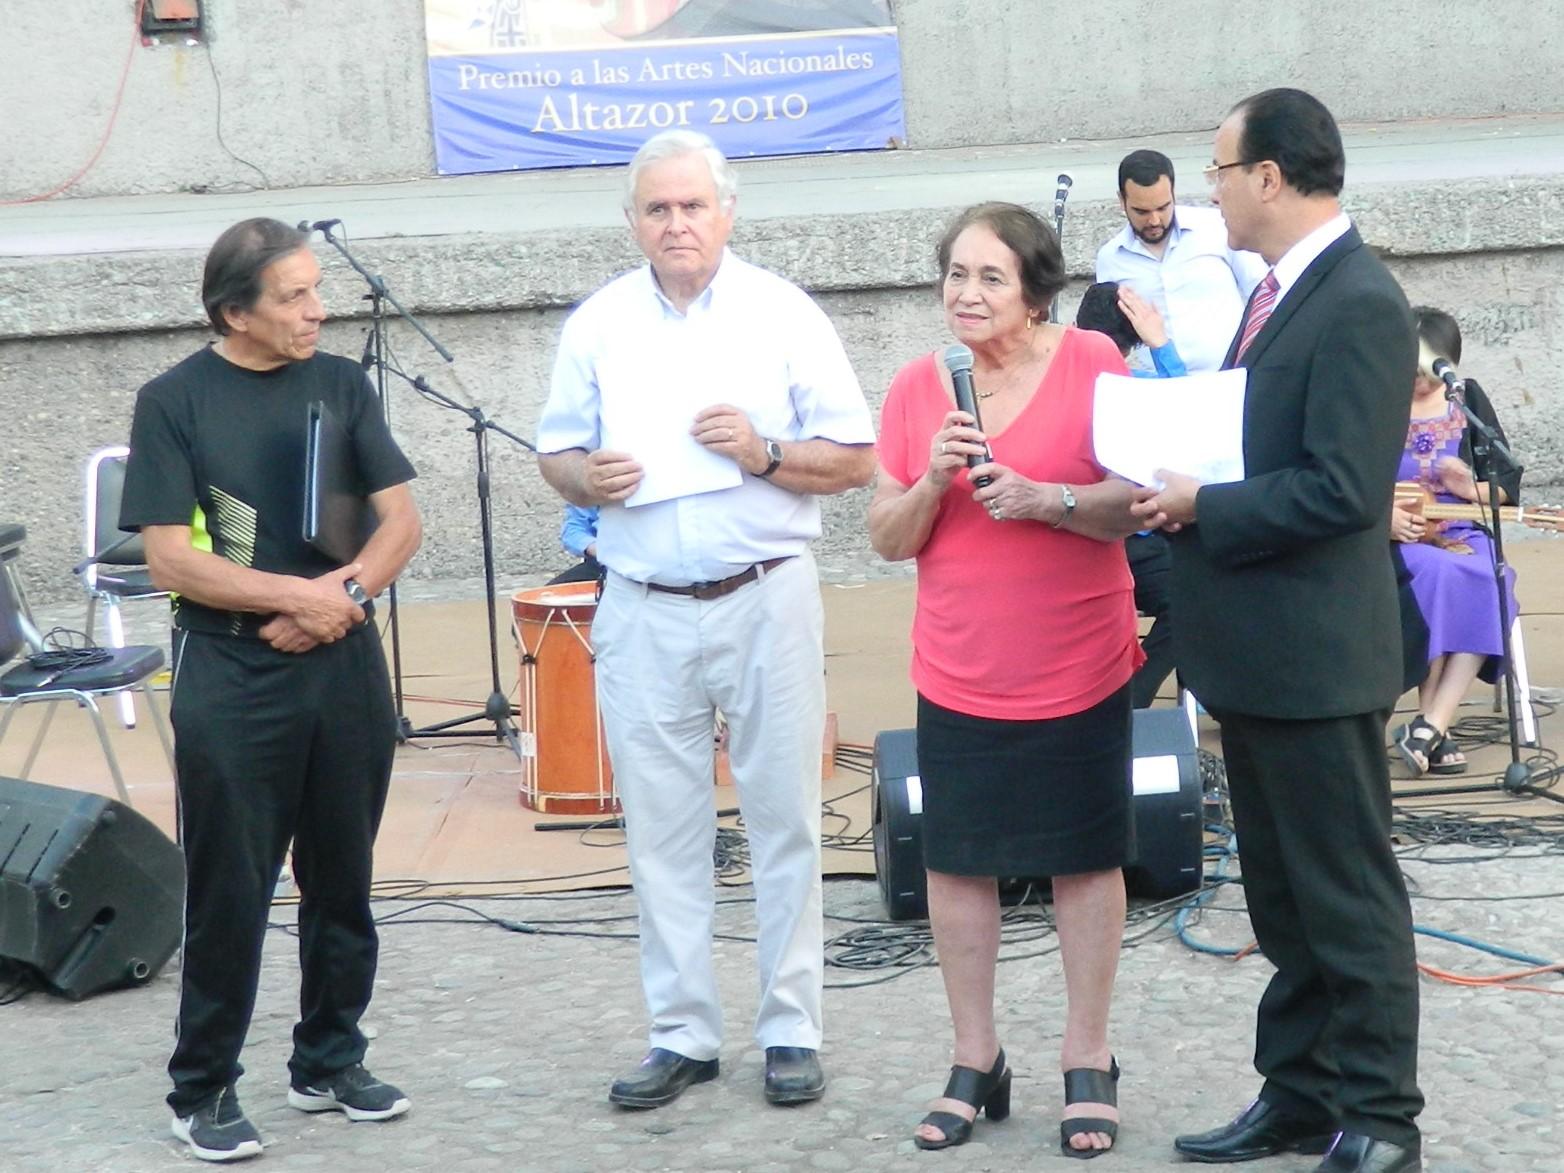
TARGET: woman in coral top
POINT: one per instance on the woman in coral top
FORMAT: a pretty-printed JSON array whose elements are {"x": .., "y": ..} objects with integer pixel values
[{"x": 1023, "y": 647}]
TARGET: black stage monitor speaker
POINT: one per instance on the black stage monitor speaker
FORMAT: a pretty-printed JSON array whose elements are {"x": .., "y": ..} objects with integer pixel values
[
  {"x": 91, "y": 893},
  {"x": 1169, "y": 834}
]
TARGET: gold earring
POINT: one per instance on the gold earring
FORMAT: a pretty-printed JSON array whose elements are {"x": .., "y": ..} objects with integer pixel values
[{"x": 1031, "y": 321}]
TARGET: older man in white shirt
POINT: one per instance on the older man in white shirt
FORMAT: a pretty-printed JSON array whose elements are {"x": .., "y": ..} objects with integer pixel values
[
  {"x": 1177, "y": 258},
  {"x": 703, "y": 404}
]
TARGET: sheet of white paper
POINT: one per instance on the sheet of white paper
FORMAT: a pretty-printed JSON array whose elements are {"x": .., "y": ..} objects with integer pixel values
[
  {"x": 647, "y": 410},
  {"x": 1193, "y": 424}
]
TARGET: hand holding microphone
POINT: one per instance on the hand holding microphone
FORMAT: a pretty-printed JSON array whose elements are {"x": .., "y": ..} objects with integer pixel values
[{"x": 958, "y": 361}]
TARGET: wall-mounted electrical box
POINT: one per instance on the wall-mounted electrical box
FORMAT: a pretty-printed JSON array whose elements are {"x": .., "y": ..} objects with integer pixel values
[{"x": 170, "y": 16}]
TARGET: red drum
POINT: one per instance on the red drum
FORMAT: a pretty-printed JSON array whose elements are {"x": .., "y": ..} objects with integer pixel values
[{"x": 565, "y": 767}]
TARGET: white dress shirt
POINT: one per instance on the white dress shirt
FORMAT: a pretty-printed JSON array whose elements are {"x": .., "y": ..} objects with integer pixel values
[
  {"x": 1199, "y": 285},
  {"x": 752, "y": 340},
  {"x": 1304, "y": 253}
]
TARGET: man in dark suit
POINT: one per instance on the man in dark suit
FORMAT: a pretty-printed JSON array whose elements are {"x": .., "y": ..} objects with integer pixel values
[{"x": 1289, "y": 635}]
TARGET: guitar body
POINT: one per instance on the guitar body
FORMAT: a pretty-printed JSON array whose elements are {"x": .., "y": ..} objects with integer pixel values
[{"x": 1413, "y": 497}]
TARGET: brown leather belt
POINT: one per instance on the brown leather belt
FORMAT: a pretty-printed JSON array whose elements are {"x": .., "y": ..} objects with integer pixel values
[{"x": 707, "y": 591}]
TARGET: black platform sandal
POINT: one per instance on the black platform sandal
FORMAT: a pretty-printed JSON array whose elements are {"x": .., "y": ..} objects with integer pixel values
[
  {"x": 986, "y": 1091},
  {"x": 1447, "y": 758},
  {"x": 1416, "y": 743},
  {"x": 1087, "y": 1085}
]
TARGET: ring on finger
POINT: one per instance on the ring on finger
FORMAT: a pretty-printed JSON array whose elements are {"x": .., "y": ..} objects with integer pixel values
[{"x": 942, "y": 448}]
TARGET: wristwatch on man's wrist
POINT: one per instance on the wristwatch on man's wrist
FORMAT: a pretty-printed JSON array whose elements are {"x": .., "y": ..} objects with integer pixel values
[
  {"x": 773, "y": 458},
  {"x": 356, "y": 591}
]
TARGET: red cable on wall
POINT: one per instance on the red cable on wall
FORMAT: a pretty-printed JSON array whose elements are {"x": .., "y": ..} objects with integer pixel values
[{"x": 119, "y": 95}]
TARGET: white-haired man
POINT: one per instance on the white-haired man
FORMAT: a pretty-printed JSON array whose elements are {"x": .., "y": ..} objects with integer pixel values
[{"x": 732, "y": 389}]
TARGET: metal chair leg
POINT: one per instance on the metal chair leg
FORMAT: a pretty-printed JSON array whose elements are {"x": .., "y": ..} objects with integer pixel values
[
  {"x": 108, "y": 749},
  {"x": 127, "y": 700},
  {"x": 43, "y": 727},
  {"x": 161, "y": 724},
  {"x": 1528, "y": 715}
]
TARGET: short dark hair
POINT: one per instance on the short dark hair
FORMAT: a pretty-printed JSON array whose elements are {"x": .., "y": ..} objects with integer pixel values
[
  {"x": 1295, "y": 131},
  {"x": 1100, "y": 311},
  {"x": 1440, "y": 331},
  {"x": 1027, "y": 235},
  {"x": 232, "y": 278},
  {"x": 1145, "y": 168}
]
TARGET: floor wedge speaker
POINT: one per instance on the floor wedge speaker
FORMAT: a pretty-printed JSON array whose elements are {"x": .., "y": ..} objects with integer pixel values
[
  {"x": 91, "y": 893},
  {"x": 1169, "y": 835}
]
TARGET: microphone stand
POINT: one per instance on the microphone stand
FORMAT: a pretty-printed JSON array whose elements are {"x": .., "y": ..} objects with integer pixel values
[
  {"x": 1489, "y": 451},
  {"x": 497, "y": 709},
  {"x": 376, "y": 355},
  {"x": 1061, "y": 194}
]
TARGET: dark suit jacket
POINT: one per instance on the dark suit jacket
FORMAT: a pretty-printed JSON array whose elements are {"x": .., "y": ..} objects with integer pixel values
[{"x": 1283, "y": 588}]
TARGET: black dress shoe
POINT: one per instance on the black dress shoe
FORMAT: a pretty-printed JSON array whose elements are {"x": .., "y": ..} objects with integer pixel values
[
  {"x": 793, "y": 1075},
  {"x": 1355, "y": 1153},
  {"x": 1260, "y": 1130},
  {"x": 659, "y": 1079}
]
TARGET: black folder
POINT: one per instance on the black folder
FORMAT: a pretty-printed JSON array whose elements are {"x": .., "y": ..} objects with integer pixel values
[{"x": 338, "y": 517}]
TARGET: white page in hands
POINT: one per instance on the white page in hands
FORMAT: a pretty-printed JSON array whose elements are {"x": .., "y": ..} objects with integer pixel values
[{"x": 1193, "y": 425}]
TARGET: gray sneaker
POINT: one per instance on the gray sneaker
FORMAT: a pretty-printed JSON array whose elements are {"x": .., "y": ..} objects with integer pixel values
[
  {"x": 354, "y": 1091},
  {"x": 218, "y": 1131}
]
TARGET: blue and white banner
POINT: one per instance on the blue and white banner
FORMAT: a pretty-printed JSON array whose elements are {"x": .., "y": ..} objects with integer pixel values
[{"x": 521, "y": 84}]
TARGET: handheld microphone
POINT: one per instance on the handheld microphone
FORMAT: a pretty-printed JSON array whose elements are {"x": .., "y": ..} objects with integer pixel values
[
  {"x": 1066, "y": 182},
  {"x": 958, "y": 361},
  {"x": 318, "y": 225},
  {"x": 1442, "y": 370}
]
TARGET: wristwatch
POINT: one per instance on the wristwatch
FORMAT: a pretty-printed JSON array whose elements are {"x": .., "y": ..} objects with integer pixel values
[
  {"x": 356, "y": 591},
  {"x": 773, "y": 456},
  {"x": 1067, "y": 496}
]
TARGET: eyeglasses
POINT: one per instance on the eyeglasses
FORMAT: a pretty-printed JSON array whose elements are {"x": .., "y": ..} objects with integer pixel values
[{"x": 1213, "y": 171}]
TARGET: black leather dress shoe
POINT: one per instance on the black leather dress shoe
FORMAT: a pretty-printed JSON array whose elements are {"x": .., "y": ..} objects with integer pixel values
[
  {"x": 1355, "y": 1153},
  {"x": 793, "y": 1075},
  {"x": 659, "y": 1079},
  {"x": 1260, "y": 1130}
]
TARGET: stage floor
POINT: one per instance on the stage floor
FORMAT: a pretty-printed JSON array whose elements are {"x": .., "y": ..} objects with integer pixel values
[{"x": 455, "y": 820}]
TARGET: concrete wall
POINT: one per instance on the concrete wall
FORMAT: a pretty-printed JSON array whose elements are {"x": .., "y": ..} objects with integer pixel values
[{"x": 321, "y": 93}]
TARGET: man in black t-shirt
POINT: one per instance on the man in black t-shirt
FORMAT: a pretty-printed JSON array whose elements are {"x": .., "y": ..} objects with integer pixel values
[{"x": 283, "y": 721}]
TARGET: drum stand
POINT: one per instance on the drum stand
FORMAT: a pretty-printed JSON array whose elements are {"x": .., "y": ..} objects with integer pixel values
[{"x": 497, "y": 709}]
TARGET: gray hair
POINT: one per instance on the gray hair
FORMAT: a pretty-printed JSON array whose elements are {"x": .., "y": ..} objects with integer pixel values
[{"x": 671, "y": 144}]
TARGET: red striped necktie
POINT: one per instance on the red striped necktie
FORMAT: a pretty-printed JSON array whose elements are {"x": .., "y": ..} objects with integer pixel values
[{"x": 1259, "y": 310}]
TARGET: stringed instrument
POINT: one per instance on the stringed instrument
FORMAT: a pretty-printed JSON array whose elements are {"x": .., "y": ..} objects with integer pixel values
[{"x": 1413, "y": 497}]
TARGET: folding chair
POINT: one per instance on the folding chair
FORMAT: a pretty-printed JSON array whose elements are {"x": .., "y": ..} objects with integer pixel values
[
  {"x": 11, "y": 538},
  {"x": 115, "y": 567},
  {"x": 1527, "y": 714},
  {"x": 125, "y": 668}
]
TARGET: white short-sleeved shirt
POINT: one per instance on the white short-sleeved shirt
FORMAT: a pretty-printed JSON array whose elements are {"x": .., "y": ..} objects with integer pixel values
[
  {"x": 1199, "y": 284},
  {"x": 752, "y": 340}
]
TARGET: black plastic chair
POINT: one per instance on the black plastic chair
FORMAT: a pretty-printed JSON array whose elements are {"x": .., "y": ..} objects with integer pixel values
[
  {"x": 115, "y": 566},
  {"x": 125, "y": 670}
]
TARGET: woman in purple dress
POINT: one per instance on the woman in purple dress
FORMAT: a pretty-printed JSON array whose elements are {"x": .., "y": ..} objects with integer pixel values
[{"x": 1449, "y": 563}]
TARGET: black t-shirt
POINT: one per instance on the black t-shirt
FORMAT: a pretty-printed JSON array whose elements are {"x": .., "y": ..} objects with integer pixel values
[{"x": 220, "y": 448}]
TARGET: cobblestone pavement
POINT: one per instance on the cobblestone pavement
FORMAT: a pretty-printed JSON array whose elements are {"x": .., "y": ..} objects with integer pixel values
[{"x": 507, "y": 1040}]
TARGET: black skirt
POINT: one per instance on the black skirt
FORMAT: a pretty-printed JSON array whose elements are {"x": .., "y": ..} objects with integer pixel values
[{"x": 1026, "y": 798}]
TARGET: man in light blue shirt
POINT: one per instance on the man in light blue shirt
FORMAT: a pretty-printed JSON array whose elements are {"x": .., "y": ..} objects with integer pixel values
[
  {"x": 578, "y": 535},
  {"x": 1177, "y": 258}
]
